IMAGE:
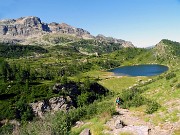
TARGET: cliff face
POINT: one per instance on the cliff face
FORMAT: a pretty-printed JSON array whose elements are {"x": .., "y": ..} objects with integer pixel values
[
  {"x": 29, "y": 26},
  {"x": 21, "y": 29}
]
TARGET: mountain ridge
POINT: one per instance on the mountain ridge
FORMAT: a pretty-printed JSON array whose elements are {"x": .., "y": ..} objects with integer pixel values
[{"x": 23, "y": 29}]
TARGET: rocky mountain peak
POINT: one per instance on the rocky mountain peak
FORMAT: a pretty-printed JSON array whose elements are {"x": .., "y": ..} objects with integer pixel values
[
  {"x": 33, "y": 21},
  {"x": 24, "y": 26},
  {"x": 124, "y": 43},
  {"x": 22, "y": 29},
  {"x": 31, "y": 26}
]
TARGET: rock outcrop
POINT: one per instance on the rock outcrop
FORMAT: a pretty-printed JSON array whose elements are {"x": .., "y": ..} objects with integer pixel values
[
  {"x": 24, "y": 26},
  {"x": 67, "y": 29},
  {"x": 52, "y": 105},
  {"x": 32, "y": 26},
  {"x": 124, "y": 43}
]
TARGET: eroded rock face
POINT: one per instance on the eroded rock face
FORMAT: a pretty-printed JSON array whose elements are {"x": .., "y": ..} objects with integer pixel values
[
  {"x": 24, "y": 26},
  {"x": 64, "y": 28},
  {"x": 124, "y": 43},
  {"x": 52, "y": 105},
  {"x": 28, "y": 26}
]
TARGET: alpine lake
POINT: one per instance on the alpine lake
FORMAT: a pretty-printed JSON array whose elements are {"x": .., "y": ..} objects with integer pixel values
[{"x": 140, "y": 70}]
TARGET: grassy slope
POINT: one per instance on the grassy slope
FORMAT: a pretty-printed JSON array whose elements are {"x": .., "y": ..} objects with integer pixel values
[
  {"x": 165, "y": 92},
  {"x": 159, "y": 90},
  {"x": 114, "y": 84}
]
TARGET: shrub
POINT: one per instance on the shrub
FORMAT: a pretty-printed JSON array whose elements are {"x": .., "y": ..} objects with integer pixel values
[
  {"x": 175, "y": 80},
  {"x": 170, "y": 75},
  {"x": 6, "y": 129},
  {"x": 132, "y": 97},
  {"x": 152, "y": 106},
  {"x": 178, "y": 86},
  {"x": 61, "y": 124},
  {"x": 83, "y": 99},
  {"x": 137, "y": 101}
]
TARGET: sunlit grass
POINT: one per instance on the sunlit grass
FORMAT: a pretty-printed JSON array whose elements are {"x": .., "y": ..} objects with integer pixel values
[
  {"x": 96, "y": 125},
  {"x": 117, "y": 84},
  {"x": 98, "y": 74},
  {"x": 177, "y": 131}
]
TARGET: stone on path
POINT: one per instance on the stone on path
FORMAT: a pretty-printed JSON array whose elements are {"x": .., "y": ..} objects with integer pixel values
[
  {"x": 119, "y": 124},
  {"x": 85, "y": 132}
]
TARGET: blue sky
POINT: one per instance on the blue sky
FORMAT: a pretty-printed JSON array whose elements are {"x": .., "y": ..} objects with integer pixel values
[{"x": 143, "y": 22}]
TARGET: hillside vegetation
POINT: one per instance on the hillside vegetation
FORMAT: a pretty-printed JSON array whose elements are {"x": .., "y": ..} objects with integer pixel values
[
  {"x": 29, "y": 73},
  {"x": 16, "y": 51}
]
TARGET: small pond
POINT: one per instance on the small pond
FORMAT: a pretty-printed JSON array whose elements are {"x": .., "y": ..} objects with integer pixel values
[{"x": 140, "y": 70}]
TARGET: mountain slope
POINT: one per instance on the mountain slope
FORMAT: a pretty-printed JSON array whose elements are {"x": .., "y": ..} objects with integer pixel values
[
  {"x": 167, "y": 49},
  {"x": 31, "y": 30},
  {"x": 161, "y": 92}
]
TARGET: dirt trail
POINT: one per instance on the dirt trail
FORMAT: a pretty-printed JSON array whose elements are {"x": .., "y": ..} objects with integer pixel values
[{"x": 133, "y": 125}]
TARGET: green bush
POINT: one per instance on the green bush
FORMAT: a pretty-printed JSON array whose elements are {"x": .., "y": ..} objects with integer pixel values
[
  {"x": 6, "y": 129},
  {"x": 138, "y": 100},
  {"x": 61, "y": 124},
  {"x": 152, "y": 106},
  {"x": 132, "y": 97},
  {"x": 170, "y": 76},
  {"x": 178, "y": 86}
]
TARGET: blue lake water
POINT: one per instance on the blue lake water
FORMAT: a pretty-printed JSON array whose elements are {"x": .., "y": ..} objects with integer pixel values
[{"x": 140, "y": 70}]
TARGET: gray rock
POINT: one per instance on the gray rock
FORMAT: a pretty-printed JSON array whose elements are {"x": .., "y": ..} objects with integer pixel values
[
  {"x": 121, "y": 42},
  {"x": 85, "y": 132},
  {"x": 28, "y": 26},
  {"x": 56, "y": 103},
  {"x": 52, "y": 105},
  {"x": 79, "y": 124},
  {"x": 3, "y": 30},
  {"x": 24, "y": 26},
  {"x": 119, "y": 124}
]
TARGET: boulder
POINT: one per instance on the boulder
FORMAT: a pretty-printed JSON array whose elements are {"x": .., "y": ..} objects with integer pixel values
[
  {"x": 119, "y": 124},
  {"x": 52, "y": 105},
  {"x": 56, "y": 103},
  {"x": 79, "y": 124},
  {"x": 39, "y": 108},
  {"x": 85, "y": 132}
]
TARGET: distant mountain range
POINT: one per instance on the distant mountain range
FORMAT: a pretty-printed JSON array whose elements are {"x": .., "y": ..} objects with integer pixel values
[{"x": 28, "y": 30}]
